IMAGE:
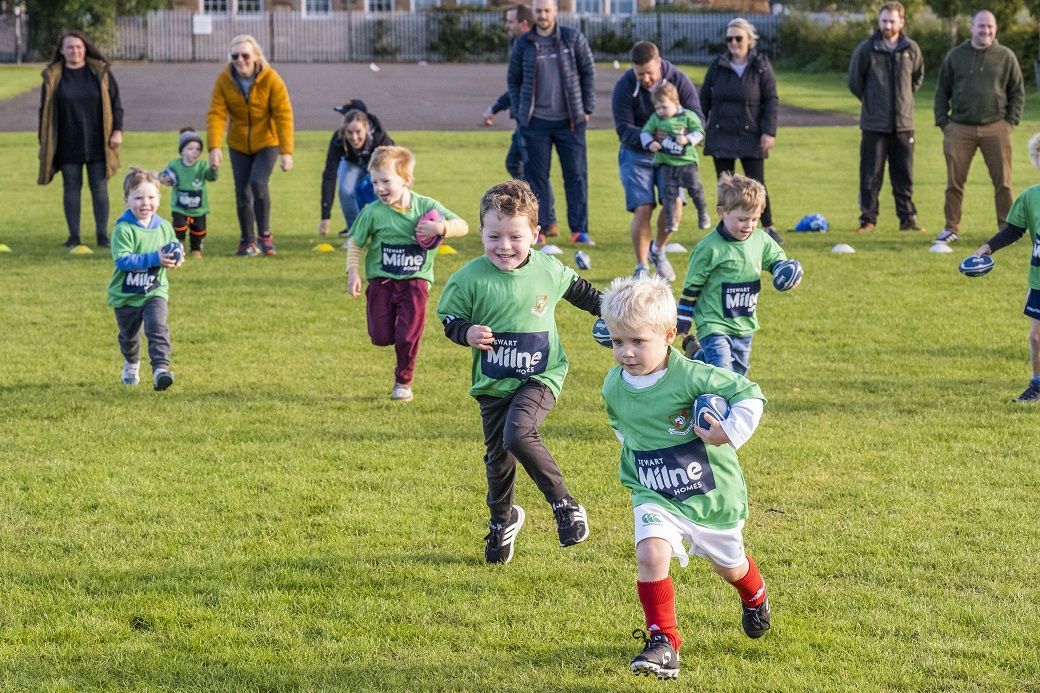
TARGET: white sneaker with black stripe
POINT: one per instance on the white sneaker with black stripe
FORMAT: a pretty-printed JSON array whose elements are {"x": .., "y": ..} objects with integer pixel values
[
  {"x": 501, "y": 537},
  {"x": 571, "y": 522}
]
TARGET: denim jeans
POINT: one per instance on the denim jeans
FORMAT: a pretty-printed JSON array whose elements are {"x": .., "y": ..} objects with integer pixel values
[
  {"x": 516, "y": 159},
  {"x": 347, "y": 178},
  {"x": 726, "y": 351},
  {"x": 539, "y": 138}
]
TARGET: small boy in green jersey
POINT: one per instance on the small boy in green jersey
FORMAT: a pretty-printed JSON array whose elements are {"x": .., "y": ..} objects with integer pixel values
[
  {"x": 400, "y": 233},
  {"x": 723, "y": 279},
  {"x": 503, "y": 305},
  {"x": 685, "y": 481},
  {"x": 673, "y": 134},
  {"x": 1025, "y": 214},
  {"x": 188, "y": 175},
  {"x": 138, "y": 291}
]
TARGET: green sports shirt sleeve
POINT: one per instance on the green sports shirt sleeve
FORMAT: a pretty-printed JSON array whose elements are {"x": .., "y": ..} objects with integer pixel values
[{"x": 1025, "y": 213}]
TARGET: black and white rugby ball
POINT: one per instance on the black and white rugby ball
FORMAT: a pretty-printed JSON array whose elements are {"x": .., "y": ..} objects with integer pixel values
[
  {"x": 174, "y": 248},
  {"x": 976, "y": 266},
  {"x": 787, "y": 274},
  {"x": 601, "y": 334},
  {"x": 715, "y": 405}
]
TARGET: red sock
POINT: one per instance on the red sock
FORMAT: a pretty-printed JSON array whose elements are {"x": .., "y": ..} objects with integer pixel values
[
  {"x": 658, "y": 600},
  {"x": 751, "y": 587}
]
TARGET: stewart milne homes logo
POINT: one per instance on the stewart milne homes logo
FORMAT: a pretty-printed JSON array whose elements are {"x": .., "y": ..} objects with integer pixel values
[
  {"x": 682, "y": 423},
  {"x": 539, "y": 306}
]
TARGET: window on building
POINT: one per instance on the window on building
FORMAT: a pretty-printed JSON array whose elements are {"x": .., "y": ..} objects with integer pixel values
[
  {"x": 317, "y": 7},
  {"x": 250, "y": 6},
  {"x": 588, "y": 6},
  {"x": 215, "y": 6},
  {"x": 380, "y": 5},
  {"x": 623, "y": 6},
  {"x": 420, "y": 5}
]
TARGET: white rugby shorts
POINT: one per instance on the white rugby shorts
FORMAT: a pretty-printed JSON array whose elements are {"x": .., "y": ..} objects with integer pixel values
[{"x": 724, "y": 546}]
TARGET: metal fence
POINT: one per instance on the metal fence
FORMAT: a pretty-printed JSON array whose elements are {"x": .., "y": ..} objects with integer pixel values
[{"x": 168, "y": 36}]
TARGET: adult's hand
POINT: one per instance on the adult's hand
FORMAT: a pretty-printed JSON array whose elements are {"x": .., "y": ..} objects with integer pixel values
[
  {"x": 489, "y": 117},
  {"x": 215, "y": 157},
  {"x": 767, "y": 142},
  {"x": 588, "y": 117},
  {"x": 116, "y": 139},
  {"x": 323, "y": 228},
  {"x": 286, "y": 162}
]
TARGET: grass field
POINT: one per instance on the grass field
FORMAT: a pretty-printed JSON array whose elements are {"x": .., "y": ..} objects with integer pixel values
[{"x": 274, "y": 523}]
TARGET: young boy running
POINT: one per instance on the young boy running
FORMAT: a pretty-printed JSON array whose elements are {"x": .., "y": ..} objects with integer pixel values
[
  {"x": 685, "y": 481},
  {"x": 503, "y": 305}
]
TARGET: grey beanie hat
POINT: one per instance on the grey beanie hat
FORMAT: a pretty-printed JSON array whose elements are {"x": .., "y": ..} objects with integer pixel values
[{"x": 188, "y": 135}]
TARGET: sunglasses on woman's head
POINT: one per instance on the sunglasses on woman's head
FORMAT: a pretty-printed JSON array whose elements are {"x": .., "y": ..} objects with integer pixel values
[{"x": 729, "y": 39}]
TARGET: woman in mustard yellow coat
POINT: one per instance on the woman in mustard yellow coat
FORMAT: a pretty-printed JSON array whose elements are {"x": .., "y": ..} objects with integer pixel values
[{"x": 251, "y": 103}]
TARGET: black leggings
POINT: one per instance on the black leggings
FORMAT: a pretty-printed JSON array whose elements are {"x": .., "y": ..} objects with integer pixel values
[
  {"x": 753, "y": 168},
  {"x": 251, "y": 172},
  {"x": 72, "y": 178}
]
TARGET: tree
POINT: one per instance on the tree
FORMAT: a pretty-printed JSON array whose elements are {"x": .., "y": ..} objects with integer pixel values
[{"x": 47, "y": 18}]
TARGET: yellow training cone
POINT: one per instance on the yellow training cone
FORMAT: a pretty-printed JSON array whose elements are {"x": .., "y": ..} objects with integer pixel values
[
  {"x": 4, "y": 248},
  {"x": 81, "y": 250},
  {"x": 446, "y": 250},
  {"x": 324, "y": 248}
]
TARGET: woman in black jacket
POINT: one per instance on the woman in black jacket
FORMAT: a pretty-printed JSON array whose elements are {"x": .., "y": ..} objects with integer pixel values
[
  {"x": 739, "y": 100},
  {"x": 81, "y": 125},
  {"x": 346, "y": 163}
]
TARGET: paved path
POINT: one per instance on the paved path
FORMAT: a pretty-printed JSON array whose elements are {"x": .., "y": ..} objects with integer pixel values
[{"x": 167, "y": 96}]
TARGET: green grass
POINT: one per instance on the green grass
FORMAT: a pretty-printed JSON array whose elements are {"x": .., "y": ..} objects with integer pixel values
[
  {"x": 17, "y": 79},
  {"x": 274, "y": 523}
]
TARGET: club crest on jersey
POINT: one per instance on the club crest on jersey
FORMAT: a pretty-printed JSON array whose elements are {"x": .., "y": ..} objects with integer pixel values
[
  {"x": 539, "y": 306},
  {"x": 682, "y": 423}
]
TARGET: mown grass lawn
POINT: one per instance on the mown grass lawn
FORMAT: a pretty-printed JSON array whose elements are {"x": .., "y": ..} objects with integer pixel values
[{"x": 274, "y": 523}]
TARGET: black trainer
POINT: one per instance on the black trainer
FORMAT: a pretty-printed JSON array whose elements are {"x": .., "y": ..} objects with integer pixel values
[
  {"x": 500, "y": 538},
  {"x": 755, "y": 620},
  {"x": 1032, "y": 394},
  {"x": 571, "y": 522},
  {"x": 658, "y": 656}
]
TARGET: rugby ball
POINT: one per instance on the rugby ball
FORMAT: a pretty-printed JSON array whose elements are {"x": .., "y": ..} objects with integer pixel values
[
  {"x": 430, "y": 242},
  {"x": 786, "y": 274},
  {"x": 715, "y": 405},
  {"x": 582, "y": 260},
  {"x": 174, "y": 248},
  {"x": 976, "y": 266},
  {"x": 601, "y": 334},
  {"x": 168, "y": 172}
]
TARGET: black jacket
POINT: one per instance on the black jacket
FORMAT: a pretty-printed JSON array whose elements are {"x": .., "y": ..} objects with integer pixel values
[
  {"x": 885, "y": 81},
  {"x": 632, "y": 106},
  {"x": 338, "y": 149},
  {"x": 577, "y": 74},
  {"x": 739, "y": 109}
]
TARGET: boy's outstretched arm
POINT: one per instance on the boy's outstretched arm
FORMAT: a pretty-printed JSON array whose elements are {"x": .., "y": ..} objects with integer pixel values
[
  {"x": 583, "y": 295},
  {"x": 353, "y": 271},
  {"x": 1002, "y": 239}
]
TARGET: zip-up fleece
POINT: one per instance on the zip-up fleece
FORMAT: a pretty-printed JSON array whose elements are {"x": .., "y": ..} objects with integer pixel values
[
  {"x": 885, "y": 81},
  {"x": 263, "y": 120},
  {"x": 577, "y": 74},
  {"x": 979, "y": 86}
]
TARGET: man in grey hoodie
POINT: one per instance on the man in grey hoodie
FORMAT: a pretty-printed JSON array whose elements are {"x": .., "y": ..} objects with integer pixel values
[
  {"x": 884, "y": 73},
  {"x": 978, "y": 100}
]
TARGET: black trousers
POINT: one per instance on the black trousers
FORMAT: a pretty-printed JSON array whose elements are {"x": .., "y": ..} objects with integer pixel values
[
  {"x": 511, "y": 434},
  {"x": 72, "y": 189},
  {"x": 753, "y": 168},
  {"x": 898, "y": 149},
  {"x": 252, "y": 197}
]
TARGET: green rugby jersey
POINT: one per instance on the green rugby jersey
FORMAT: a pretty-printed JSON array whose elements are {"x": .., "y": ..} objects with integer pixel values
[
  {"x": 680, "y": 124},
  {"x": 1025, "y": 213},
  {"x": 189, "y": 195},
  {"x": 519, "y": 306},
  {"x": 662, "y": 459},
  {"x": 136, "y": 287},
  {"x": 394, "y": 252},
  {"x": 723, "y": 281}
]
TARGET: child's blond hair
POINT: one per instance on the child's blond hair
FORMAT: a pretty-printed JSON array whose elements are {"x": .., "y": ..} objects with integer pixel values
[
  {"x": 138, "y": 176},
  {"x": 511, "y": 199},
  {"x": 665, "y": 91},
  {"x": 634, "y": 303},
  {"x": 1034, "y": 149},
  {"x": 740, "y": 192},
  {"x": 396, "y": 159}
]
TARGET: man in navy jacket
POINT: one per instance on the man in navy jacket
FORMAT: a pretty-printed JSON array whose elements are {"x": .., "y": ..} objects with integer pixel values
[
  {"x": 552, "y": 92},
  {"x": 632, "y": 108}
]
